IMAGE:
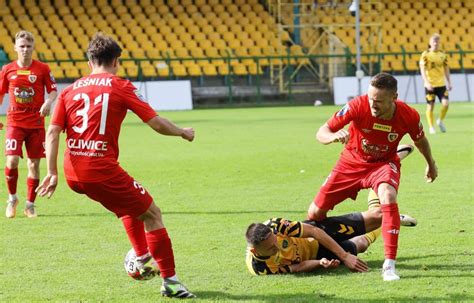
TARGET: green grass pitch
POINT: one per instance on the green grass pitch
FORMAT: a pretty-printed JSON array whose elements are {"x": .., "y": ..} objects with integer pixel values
[{"x": 246, "y": 165}]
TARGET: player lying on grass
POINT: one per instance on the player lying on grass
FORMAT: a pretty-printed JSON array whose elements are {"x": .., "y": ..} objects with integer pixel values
[{"x": 283, "y": 246}]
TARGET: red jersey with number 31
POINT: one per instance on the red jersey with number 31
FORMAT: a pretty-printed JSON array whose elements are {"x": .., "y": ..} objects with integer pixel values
[
  {"x": 26, "y": 85},
  {"x": 373, "y": 139},
  {"x": 91, "y": 111}
]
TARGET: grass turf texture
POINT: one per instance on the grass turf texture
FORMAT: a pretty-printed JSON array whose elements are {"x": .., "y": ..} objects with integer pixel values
[{"x": 245, "y": 166}]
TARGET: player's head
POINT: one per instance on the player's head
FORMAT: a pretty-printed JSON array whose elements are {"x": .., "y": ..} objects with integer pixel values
[
  {"x": 382, "y": 94},
  {"x": 103, "y": 51},
  {"x": 24, "y": 45},
  {"x": 261, "y": 239},
  {"x": 435, "y": 42}
]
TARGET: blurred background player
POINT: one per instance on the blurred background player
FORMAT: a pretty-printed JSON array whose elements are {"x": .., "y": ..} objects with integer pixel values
[
  {"x": 378, "y": 121},
  {"x": 281, "y": 246},
  {"x": 91, "y": 111},
  {"x": 25, "y": 81},
  {"x": 436, "y": 80}
]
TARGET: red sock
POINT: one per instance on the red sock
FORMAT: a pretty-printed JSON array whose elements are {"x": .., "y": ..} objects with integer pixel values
[
  {"x": 161, "y": 250},
  {"x": 390, "y": 229},
  {"x": 32, "y": 184},
  {"x": 11, "y": 175},
  {"x": 136, "y": 234}
]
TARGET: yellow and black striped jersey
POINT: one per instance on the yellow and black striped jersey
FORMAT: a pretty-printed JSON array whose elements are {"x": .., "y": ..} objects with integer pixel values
[
  {"x": 434, "y": 63},
  {"x": 292, "y": 249}
]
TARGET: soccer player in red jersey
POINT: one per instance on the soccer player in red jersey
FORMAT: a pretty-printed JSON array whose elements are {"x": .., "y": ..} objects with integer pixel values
[
  {"x": 378, "y": 121},
  {"x": 25, "y": 81},
  {"x": 91, "y": 112}
]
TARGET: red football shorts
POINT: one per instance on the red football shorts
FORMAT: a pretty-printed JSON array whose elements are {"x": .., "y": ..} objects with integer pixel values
[
  {"x": 122, "y": 195},
  {"x": 33, "y": 138},
  {"x": 346, "y": 180}
]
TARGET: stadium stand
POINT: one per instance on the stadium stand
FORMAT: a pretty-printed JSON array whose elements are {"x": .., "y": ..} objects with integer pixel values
[{"x": 157, "y": 32}]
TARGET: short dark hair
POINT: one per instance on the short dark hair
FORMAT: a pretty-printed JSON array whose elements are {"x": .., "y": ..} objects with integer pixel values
[
  {"x": 384, "y": 81},
  {"x": 103, "y": 50},
  {"x": 256, "y": 233}
]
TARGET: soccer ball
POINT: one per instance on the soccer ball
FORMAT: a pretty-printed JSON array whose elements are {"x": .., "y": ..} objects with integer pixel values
[{"x": 150, "y": 267}]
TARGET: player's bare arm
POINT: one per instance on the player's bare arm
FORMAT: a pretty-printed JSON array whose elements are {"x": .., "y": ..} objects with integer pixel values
[
  {"x": 50, "y": 181},
  {"x": 431, "y": 170},
  {"x": 46, "y": 107},
  {"x": 448, "y": 77},
  {"x": 352, "y": 262},
  {"x": 326, "y": 136},
  {"x": 167, "y": 128},
  {"x": 312, "y": 265}
]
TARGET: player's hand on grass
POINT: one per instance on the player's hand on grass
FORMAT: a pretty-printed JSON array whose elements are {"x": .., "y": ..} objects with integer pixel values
[
  {"x": 431, "y": 173},
  {"x": 342, "y": 136},
  {"x": 188, "y": 134},
  {"x": 333, "y": 263},
  {"x": 48, "y": 186},
  {"x": 45, "y": 109},
  {"x": 354, "y": 263}
]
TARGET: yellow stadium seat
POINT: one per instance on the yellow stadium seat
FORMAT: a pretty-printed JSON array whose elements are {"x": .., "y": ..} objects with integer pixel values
[
  {"x": 179, "y": 71},
  {"x": 239, "y": 70},
  {"x": 223, "y": 70}
]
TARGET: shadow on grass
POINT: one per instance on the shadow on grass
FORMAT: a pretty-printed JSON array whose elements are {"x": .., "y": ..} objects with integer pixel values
[
  {"x": 323, "y": 296},
  {"x": 233, "y": 212}
]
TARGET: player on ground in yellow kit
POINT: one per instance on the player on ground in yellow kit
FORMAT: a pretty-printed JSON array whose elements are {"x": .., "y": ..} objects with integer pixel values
[{"x": 437, "y": 81}]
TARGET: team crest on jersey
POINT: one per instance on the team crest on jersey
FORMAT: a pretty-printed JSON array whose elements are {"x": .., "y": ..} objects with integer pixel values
[
  {"x": 32, "y": 78},
  {"x": 284, "y": 244},
  {"x": 392, "y": 137},
  {"x": 343, "y": 110}
]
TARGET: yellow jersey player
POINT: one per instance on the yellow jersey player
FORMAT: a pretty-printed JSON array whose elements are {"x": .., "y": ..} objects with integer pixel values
[
  {"x": 435, "y": 72},
  {"x": 281, "y": 246}
]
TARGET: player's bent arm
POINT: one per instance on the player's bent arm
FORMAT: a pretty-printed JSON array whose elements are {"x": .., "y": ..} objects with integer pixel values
[
  {"x": 46, "y": 107},
  {"x": 305, "y": 266},
  {"x": 325, "y": 135},
  {"x": 351, "y": 261},
  {"x": 424, "y": 147},
  {"x": 165, "y": 127},
  {"x": 448, "y": 76},
  {"x": 312, "y": 265}
]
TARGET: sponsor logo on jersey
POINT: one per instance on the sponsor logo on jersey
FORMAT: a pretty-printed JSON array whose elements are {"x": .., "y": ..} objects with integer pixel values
[
  {"x": 365, "y": 130},
  {"x": 382, "y": 127},
  {"x": 139, "y": 95},
  {"x": 32, "y": 78},
  {"x": 13, "y": 77},
  {"x": 23, "y": 72},
  {"x": 23, "y": 94},
  {"x": 343, "y": 110},
  {"x": 392, "y": 137}
]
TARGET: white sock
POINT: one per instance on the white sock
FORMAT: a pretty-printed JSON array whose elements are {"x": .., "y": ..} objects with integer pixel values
[
  {"x": 389, "y": 263},
  {"x": 172, "y": 279},
  {"x": 12, "y": 197}
]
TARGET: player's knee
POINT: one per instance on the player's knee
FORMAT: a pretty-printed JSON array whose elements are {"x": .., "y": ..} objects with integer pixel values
[
  {"x": 387, "y": 193},
  {"x": 12, "y": 162},
  {"x": 315, "y": 213},
  {"x": 374, "y": 214}
]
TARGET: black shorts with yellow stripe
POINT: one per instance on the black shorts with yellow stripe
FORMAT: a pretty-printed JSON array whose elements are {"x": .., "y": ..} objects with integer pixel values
[{"x": 441, "y": 92}]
